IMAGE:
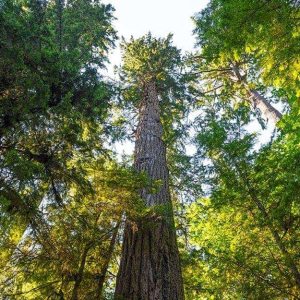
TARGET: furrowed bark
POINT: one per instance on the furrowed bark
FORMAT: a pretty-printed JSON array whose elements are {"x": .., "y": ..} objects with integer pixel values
[{"x": 150, "y": 267}]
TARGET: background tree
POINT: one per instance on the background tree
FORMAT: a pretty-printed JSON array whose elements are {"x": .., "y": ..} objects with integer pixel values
[
  {"x": 54, "y": 103},
  {"x": 244, "y": 235},
  {"x": 248, "y": 47}
]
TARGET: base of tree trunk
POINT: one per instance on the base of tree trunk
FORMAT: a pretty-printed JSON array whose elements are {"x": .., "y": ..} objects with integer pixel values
[{"x": 151, "y": 268}]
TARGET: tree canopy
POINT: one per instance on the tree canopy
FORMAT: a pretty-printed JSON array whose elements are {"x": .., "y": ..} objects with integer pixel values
[{"x": 67, "y": 197}]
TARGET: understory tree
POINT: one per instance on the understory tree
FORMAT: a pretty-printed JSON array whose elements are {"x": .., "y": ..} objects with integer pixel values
[{"x": 68, "y": 253}]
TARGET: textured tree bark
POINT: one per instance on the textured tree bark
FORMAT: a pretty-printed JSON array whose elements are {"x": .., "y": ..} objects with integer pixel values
[{"x": 150, "y": 266}]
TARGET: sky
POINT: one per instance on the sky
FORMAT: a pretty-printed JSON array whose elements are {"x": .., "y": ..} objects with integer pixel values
[{"x": 161, "y": 17}]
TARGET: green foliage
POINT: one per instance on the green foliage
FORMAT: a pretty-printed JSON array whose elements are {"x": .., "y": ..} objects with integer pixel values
[
  {"x": 150, "y": 59},
  {"x": 261, "y": 37},
  {"x": 242, "y": 239},
  {"x": 47, "y": 261},
  {"x": 63, "y": 195},
  {"x": 232, "y": 251},
  {"x": 53, "y": 99},
  {"x": 53, "y": 106}
]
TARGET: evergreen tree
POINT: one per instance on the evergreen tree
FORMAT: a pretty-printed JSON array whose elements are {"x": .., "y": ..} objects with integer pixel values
[
  {"x": 244, "y": 234},
  {"x": 150, "y": 267},
  {"x": 54, "y": 106},
  {"x": 248, "y": 47},
  {"x": 65, "y": 200}
]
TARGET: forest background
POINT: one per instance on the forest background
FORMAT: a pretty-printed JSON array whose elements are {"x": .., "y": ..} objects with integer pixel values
[{"x": 229, "y": 113}]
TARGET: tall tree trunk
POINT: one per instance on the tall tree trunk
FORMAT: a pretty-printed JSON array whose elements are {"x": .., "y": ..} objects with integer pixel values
[
  {"x": 150, "y": 267},
  {"x": 257, "y": 100}
]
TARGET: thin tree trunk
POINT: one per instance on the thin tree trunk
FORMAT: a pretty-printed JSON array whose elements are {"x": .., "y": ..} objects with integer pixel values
[
  {"x": 257, "y": 100},
  {"x": 150, "y": 267},
  {"x": 107, "y": 259},
  {"x": 287, "y": 257},
  {"x": 79, "y": 275}
]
